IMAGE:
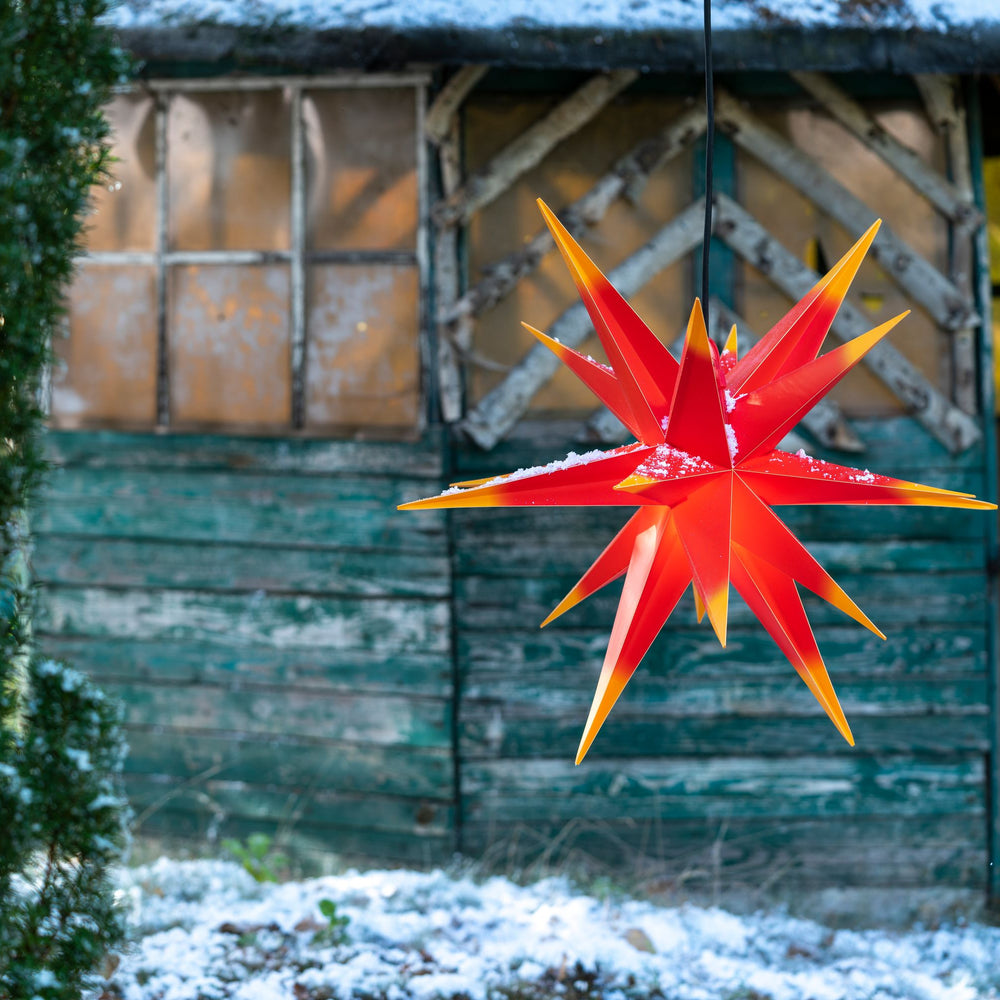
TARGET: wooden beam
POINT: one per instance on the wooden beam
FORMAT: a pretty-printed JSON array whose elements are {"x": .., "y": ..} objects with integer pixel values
[
  {"x": 633, "y": 168},
  {"x": 937, "y": 91},
  {"x": 500, "y": 409},
  {"x": 943, "y": 100},
  {"x": 950, "y": 199},
  {"x": 444, "y": 108},
  {"x": 451, "y": 339},
  {"x": 530, "y": 148},
  {"x": 922, "y": 282},
  {"x": 955, "y": 429}
]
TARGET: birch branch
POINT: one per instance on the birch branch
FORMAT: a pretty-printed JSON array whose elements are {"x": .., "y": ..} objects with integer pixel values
[
  {"x": 955, "y": 429},
  {"x": 949, "y": 199},
  {"x": 500, "y": 409},
  {"x": 530, "y": 148},
  {"x": 949, "y": 307},
  {"x": 583, "y": 213},
  {"x": 448, "y": 100}
]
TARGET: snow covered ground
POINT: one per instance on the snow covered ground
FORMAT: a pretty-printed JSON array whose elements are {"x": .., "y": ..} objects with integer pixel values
[{"x": 204, "y": 931}]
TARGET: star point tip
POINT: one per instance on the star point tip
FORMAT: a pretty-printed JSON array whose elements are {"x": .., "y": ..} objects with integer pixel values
[
  {"x": 636, "y": 481},
  {"x": 570, "y": 600},
  {"x": 731, "y": 344}
]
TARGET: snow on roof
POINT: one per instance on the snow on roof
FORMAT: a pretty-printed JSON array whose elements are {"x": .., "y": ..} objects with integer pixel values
[
  {"x": 634, "y": 15},
  {"x": 661, "y": 35}
]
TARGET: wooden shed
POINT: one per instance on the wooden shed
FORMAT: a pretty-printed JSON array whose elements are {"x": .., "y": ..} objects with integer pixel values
[{"x": 300, "y": 306}]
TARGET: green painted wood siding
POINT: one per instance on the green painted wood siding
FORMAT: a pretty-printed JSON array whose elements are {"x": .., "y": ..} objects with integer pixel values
[
  {"x": 718, "y": 762},
  {"x": 287, "y": 644},
  {"x": 279, "y": 635}
]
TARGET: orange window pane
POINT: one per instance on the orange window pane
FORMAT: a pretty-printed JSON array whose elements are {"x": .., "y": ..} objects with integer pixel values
[
  {"x": 363, "y": 360},
  {"x": 362, "y": 169},
  {"x": 801, "y": 226},
  {"x": 123, "y": 208},
  {"x": 230, "y": 349},
  {"x": 106, "y": 367},
  {"x": 229, "y": 171}
]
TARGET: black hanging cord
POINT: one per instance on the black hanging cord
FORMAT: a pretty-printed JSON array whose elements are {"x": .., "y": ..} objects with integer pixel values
[{"x": 709, "y": 144}]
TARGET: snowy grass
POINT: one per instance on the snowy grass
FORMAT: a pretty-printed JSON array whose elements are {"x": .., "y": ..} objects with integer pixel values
[{"x": 204, "y": 930}]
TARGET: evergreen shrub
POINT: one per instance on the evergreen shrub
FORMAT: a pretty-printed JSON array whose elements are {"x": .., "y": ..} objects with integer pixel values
[{"x": 62, "y": 815}]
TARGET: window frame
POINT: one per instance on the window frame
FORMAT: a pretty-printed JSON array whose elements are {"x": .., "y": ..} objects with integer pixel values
[{"x": 297, "y": 256}]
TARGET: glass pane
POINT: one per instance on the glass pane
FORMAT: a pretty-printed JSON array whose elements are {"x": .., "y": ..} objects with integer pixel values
[
  {"x": 361, "y": 160},
  {"x": 229, "y": 170},
  {"x": 230, "y": 348},
  {"x": 506, "y": 225},
  {"x": 363, "y": 357},
  {"x": 106, "y": 369},
  {"x": 123, "y": 209}
]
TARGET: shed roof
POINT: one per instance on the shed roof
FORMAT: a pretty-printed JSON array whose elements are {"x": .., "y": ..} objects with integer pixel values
[{"x": 658, "y": 35}]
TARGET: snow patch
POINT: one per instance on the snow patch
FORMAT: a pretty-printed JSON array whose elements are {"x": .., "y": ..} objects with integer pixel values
[
  {"x": 203, "y": 928},
  {"x": 734, "y": 445}
]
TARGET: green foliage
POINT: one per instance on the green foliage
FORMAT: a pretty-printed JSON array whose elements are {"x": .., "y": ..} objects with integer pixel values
[
  {"x": 65, "y": 827},
  {"x": 56, "y": 71},
  {"x": 62, "y": 816},
  {"x": 257, "y": 857},
  {"x": 335, "y": 929}
]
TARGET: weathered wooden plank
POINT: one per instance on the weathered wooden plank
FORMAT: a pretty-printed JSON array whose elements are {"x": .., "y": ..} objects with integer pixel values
[
  {"x": 380, "y": 719},
  {"x": 945, "y": 103},
  {"x": 752, "y": 241},
  {"x": 707, "y": 855},
  {"x": 501, "y": 408},
  {"x": 924, "y": 283},
  {"x": 445, "y": 130},
  {"x": 490, "y": 734},
  {"x": 191, "y": 827},
  {"x": 290, "y": 763},
  {"x": 491, "y": 702},
  {"x": 303, "y": 456},
  {"x": 625, "y": 177},
  {"x": 126, "y": 562},
  {"x": 448, "y": 100},
  {"x": 316, "y": 804},
  {"x": 545, "y": 528},
  {"x": 782, "y": 693},
  {"x": 451, "y": 341},
  {"x": 530, "y": 148},
  {"x": 948, "y": 198},
  {"x": 546, "y": 791},
  {"x": 910, "y": 600},
  {"x": 491, "y": 554},
  {"x": 897, "y": 446},
  {"x": 378, "y": 625},
  {"x": 320, "y": 668},
  {"x": 226, "y": 507},
  {"x": 571, "y": 657}
]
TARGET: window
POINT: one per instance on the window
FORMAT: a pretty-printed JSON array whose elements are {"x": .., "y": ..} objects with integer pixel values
[{"x": 255, "y": 264}]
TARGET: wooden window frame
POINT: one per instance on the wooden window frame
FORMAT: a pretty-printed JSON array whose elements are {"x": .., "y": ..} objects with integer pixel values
[{"x": 297, "y": 257}]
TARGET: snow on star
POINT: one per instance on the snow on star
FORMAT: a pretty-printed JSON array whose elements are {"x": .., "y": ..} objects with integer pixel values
[{"x": 704, "y": 473}]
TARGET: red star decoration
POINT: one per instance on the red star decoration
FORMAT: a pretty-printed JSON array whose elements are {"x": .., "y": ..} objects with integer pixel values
[{"x": 705, "y": 472}]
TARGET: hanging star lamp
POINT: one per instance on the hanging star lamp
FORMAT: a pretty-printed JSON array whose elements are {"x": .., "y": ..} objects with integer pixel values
[{"x": 705, "y": 469}]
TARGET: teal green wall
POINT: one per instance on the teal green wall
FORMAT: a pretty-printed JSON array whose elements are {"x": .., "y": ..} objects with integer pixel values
[
  {"x": 297, "y": 656},
  {"x": 279, "y": 634}
]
